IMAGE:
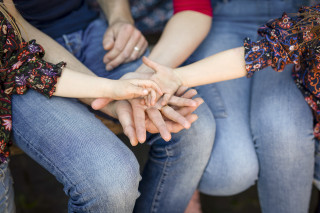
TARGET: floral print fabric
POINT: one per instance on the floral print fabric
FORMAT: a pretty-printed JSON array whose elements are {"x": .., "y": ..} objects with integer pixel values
[
  {"x": 284, "y": 43},
  {"x": 21, "y": 67}
]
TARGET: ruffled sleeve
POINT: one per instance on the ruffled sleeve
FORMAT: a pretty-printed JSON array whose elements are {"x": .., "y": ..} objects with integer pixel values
[
  {"x": 24, "y": 67},
  {"x": 279, "y": 47},
  {"x": 285, "y": 41}
]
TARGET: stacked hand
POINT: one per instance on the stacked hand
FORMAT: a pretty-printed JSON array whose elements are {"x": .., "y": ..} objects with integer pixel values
[
  {"x": 137, "y": 118},
  {"x": 166, "y": 77},
  {"x": 173, "y": 111}
]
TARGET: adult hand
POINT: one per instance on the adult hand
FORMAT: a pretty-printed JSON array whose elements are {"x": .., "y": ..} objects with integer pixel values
[{"x": 124, "y": 43}]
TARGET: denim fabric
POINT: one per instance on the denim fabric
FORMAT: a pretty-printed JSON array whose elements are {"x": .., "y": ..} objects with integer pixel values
[
  {"x": 6, "y": 190},
  {"x": 99, "y": 173},
  {"x": 263, "y": 125}
]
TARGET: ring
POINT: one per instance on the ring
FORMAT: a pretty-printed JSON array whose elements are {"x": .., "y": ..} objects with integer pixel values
[{"x": 136, "y": 48}]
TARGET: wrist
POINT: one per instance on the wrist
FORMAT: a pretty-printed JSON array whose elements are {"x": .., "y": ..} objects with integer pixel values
[
  {"x": 120, "y": 20},
  {"x": 179, "y": 77},
  {"x": 107, "y": 88},
  {"x": 144, "y": 69}
]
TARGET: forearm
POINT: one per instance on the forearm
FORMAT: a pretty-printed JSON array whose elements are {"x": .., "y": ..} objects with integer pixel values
[
  {"x": 223, "y": 66},
  {"x": 78, "y": 85},
  {"x": 181, "y": 36},
  {"x": 116, "y": 10}
]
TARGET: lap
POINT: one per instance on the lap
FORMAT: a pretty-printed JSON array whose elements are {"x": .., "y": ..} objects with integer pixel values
[{"x": 64, "y": 137}]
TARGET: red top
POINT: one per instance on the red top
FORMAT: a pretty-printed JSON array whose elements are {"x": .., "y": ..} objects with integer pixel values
[{"x": 201, "y": 6}]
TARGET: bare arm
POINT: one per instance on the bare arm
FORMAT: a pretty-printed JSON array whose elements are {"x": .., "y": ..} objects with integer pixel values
[
  {"x": 223, "y": 66},
  {"x": 181, "y": 36},
  {"x": 226, "y": 65}
]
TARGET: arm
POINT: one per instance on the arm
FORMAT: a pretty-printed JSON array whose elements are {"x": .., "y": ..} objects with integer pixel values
[
  {"x": 212, "y": 69},
  {"x": 34, "y": 72},
  {"x": 174, "y": 46}
]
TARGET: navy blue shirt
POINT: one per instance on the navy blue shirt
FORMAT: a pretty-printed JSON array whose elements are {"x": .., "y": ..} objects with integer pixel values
[{"x": 56, "y": 17}]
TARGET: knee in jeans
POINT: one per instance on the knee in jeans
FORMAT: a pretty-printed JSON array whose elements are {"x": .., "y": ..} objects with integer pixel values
[
  {"x": 114, "y": 191},
  {"x": 202, "y": 131},
  {"x": 235, "y": 177}
]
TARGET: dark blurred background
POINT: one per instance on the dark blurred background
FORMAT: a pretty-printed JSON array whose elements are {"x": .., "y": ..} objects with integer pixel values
[{"x": 37, "y": 191}]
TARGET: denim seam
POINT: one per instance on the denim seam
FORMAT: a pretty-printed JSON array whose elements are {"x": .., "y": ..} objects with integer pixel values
[
  {"x": 49, "y": 162},
  {"x": 161, "y": 181}
]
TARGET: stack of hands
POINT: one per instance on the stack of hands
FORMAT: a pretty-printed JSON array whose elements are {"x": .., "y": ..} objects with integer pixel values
[{"x": 164, "y": 108}]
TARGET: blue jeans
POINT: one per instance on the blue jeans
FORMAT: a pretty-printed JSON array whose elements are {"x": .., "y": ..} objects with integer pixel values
[
  {"x": 263, "y": 125},
  {"x": 98, "y": 172}
]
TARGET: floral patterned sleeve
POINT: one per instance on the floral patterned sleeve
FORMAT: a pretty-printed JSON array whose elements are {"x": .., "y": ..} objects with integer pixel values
[
  {"x": 280, "y": 45},
  {"x": 21, "y": 67}
]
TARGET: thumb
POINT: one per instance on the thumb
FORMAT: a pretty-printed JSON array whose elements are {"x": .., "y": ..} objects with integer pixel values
[
  {"x": 153, "y": 65},
  {"x": 99, "y": 103},
  {"x": 108, "y": 40}
]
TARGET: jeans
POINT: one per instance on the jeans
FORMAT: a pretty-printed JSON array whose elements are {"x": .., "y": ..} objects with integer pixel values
[
  {"x": 98, "y": 172},
  {"x": 264, "y": 128}
]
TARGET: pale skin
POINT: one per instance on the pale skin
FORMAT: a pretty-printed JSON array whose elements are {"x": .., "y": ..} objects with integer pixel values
[
  {"x": 226, "y": 65},
  {"x": 172, "y": 49}
]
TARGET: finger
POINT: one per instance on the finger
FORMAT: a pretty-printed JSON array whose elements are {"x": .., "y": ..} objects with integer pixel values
[
  {"x": 180, "y": 102},
  {"x": 156, "y": 117},
  {"x": 148, "y": 84},
  {"x": 151, "y": 97},
  {"x": 108, "y": 40},
  {"x": 188, "y": 110},
  {"x": 172, "y": 126},
  {"x": 99, "y": 103},
  {"x": 125, "y": 55},
  {"x": 181, "y": 90},
  {"x": 153, "y": 65},
  {"x": 190, "y": 93},
  {"x": 165, "y": 99},
  {"x": 126, "y": 121},
  {"x": 136, "y": 53},
  {"x": 176, "y": 127},
  {"x": 139, "y": 120},
  {"x": 120, "y": 42},
  {"x": 143, "y": 48},
  {"x": 175, "y": 116}
]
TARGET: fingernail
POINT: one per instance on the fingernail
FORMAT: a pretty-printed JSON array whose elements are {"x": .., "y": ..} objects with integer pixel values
[{"x": 145, "y": 91}]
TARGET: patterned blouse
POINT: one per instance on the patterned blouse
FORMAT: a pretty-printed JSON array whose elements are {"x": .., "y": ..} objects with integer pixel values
[
  {"x": 284, "y": 44},
  {"x": 21, "y": 66}
]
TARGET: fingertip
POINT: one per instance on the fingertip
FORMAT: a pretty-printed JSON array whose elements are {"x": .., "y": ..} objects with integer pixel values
[
  {"x": 109, "y": 67},
  {"x": 187, "y": 125},
  {"x": 145, "y": 92},
  {"x": 167, "y": 136}
]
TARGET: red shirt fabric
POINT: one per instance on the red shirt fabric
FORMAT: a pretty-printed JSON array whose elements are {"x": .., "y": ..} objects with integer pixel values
[{"x": 201, "y": 6}]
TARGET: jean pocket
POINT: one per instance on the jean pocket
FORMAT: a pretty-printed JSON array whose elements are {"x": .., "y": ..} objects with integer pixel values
[{"x": 213, "y": 99}]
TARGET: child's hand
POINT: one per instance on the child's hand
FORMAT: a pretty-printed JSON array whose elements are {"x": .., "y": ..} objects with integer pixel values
[
  {"x": 165, "y": 77},
  {"x": 133, "y": 88}
]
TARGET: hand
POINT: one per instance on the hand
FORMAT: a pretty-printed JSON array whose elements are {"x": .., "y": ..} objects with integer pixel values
[
  {"x": 135, "y": 123},
  {"x": 132, "y": 88},
  {"x": 168, "y": 80},
  {"x": 124, "y": 43}
]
